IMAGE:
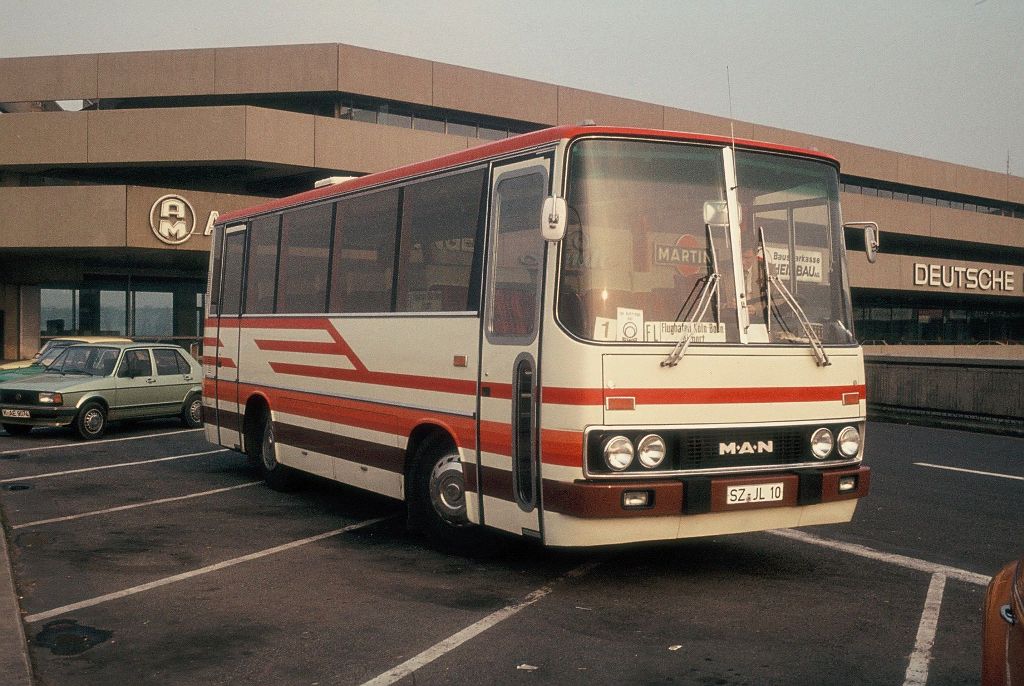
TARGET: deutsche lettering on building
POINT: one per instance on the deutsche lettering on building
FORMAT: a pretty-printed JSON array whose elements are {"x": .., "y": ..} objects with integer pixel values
[{"x": 964, "y": 278}]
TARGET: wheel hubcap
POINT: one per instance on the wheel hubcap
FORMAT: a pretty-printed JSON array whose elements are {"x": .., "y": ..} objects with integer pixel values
[
  {"x": 195, "y": 411},
  {"x": 93, "y": 421},
  {"x": 267, "y": 452},
  {"x": 448, "y": 490}
]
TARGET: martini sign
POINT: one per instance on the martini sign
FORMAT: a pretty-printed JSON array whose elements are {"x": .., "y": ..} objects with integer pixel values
[{"x": 688, "y": 255}]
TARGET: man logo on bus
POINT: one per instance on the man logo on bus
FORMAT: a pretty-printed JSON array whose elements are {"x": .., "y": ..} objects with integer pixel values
[
  {"x": 172, "y": 219},
  {"x": 746, "y": 448}
]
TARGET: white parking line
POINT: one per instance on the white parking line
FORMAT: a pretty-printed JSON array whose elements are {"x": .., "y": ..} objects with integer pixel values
[
  {"x": 122, "y": 508},
  {"x": 39, "y": 616},
  {"x": 921, "y": 658},
  {"x": 970, "y": 471},
  {"x": 47, "y": 475},
  {"x": 90, "y": 443},
  {"x": 455, "y": 640},
  {"x": 891, "y": 558}
]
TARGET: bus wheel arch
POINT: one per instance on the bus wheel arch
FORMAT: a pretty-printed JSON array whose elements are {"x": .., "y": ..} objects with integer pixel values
[{"x": 261, "y": 444}]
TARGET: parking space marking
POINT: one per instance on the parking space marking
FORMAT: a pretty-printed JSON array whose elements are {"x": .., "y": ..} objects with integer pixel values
[
  {"x": 122, "y": 508},
  {"x": 455, "y": 640},
  {"x": 47, "y": 475},
  {"x": 969, "y": 471},
  {"x": 39, "y": 616},
  {"x": 891, "y": 558},
  {"x": 90, "y": 443},
  {"x": 920, "y": 659}
]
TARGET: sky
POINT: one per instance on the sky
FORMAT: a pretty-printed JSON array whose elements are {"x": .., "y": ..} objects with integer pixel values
[{"x": 943, "y": 79}]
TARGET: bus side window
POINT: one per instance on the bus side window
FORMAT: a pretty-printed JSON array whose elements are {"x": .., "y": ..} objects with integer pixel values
[
  {"x": 261, "y": 274},
  {"x": 363, "y": 263},
  {"x": 441, "y": 222},
  {"x": 305, "y": 254},
  {"x": 517, "y": 256},
  {"x": 231, "y": 296}
]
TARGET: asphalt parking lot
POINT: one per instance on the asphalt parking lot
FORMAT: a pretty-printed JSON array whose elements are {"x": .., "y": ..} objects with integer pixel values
[{"x": 154, "y": 557}]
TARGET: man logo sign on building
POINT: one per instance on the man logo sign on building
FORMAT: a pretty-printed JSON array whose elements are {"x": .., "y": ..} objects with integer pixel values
[{"x": 172, "y": 219}]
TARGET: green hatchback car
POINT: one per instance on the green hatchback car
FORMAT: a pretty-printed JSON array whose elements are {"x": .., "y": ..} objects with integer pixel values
[{"x": 89, "y": 385}]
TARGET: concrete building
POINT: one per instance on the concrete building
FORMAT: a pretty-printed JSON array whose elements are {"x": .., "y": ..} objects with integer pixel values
[{"x": 103, "y": 211}]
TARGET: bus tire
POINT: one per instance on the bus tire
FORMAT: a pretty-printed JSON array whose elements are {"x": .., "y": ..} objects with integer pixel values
[
  {"x": 276, "y": 475},
  {"x": 91, "y": 421},
  {"x": 192, "y": 411},
  {"x": 438, "y": 505},
  {"x": 17, "y": 429}
]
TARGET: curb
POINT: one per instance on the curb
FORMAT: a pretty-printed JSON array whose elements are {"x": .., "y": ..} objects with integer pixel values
[{"x": 14, "y": 661}]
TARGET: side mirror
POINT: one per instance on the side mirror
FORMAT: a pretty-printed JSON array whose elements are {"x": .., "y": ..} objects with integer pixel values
[
  {"x": 716, "y": 213},
  {"x": 554, "y": 217},
  {"x": 871, "y": 236}
]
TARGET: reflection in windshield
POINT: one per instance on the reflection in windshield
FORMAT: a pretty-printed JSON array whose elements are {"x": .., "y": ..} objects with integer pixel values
[
  {"x": 636, "y": 254},
  {"x": 85, "y": 359}
]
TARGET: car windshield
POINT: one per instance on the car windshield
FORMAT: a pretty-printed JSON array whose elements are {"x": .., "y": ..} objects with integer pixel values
[
  {"x": 89, "y": 360},
  {"x": 650, "y": 254},
  {"x": 50, "y": 352}
]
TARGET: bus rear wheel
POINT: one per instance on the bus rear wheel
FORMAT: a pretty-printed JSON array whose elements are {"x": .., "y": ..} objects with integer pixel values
[{"x": 276, "y": 475}]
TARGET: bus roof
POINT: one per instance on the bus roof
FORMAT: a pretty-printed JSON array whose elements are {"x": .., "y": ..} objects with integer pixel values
[{"x": 485, "y": 151}]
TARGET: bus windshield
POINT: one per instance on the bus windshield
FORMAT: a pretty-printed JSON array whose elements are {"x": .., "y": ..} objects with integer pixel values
[{"x": 645, "y": 261}]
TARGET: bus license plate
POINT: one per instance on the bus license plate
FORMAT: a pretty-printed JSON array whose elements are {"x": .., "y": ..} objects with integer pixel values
[
  {"x": 754, "y": 493},
  {"x": 21, "y": 414}
]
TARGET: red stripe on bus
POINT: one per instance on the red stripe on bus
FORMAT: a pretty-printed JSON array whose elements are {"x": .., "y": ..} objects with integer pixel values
[
  {"x": 421, "y": 383},
  {"x": 705, "y": 396}
]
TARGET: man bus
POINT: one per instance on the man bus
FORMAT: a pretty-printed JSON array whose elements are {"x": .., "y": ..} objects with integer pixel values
[{"x": 584, "y": 335}]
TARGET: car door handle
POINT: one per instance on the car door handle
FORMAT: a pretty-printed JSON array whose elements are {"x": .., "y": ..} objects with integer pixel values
[
  {"x": 188, "y": 378},
  {"x": 150, "y": 380}
]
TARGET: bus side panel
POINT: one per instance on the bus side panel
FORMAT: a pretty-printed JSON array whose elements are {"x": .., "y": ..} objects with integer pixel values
[{"x": 346, "y": 393}]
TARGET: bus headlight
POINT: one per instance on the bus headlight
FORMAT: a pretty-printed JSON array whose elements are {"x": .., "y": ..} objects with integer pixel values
[
  {"x": 651, "y": 451},
  {"x": 848, "y": 442},
  {"x": 618, "y": 453},
  {"x": 821, "y": 443}
]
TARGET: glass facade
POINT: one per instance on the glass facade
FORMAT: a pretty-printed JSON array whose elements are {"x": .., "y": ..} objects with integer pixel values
[
  {"x": 897, "y": 319},
  {"x": 154, "y": 310}
]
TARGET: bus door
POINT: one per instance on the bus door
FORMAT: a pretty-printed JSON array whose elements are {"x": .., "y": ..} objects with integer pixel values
[
  {"x": 228, "y": 416},
  {"x": 509, "y": 455}
]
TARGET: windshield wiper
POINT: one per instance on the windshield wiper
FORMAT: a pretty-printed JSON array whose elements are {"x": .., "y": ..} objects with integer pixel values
[
  {"x": 708, "y": 294},
  {"x": 810, "y": 337}
]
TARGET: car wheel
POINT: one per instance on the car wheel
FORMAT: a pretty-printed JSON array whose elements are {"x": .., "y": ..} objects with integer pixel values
[
  {"x": 275, "y": 474},
  {"x": 439, "y": 504},
  {"x": 16, "y": 429},
  {"x": 192, "y": 411},
  {"x": 91, "y": 421}
]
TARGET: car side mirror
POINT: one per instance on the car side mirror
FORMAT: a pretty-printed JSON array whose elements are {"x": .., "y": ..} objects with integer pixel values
[
  {"x": 871, "y": 238},
  {"x": 554, "y": 217}
]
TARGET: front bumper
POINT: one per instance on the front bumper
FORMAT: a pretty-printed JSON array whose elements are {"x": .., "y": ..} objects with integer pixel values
[
  {"x": 700, "y": 495},
  {"x": 39, "y": 415}
]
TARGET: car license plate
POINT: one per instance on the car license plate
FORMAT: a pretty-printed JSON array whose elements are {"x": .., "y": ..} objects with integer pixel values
[
  {"x": 21, "y": 414},
  {"x": 754, "y": 493}
]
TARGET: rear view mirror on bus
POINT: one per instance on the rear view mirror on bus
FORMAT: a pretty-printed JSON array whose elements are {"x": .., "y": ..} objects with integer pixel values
[
  {"x": 553, "y": 218},
  {"x": 871, "y": 236}
]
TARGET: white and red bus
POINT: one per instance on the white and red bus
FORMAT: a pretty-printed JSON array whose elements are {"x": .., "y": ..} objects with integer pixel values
[{"x": 586, "y": 335}]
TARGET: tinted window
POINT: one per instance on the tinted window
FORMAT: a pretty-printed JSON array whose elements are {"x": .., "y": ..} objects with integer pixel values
[
  {"x": 136, "y": 363},
  {"x": 517, "y": 256},
  {"x": 364, "y": 253},
  {"x": 234, "y": 249},
  {"x": 440, "y": 230},
  {"x": 305, "y": 248},
  {"x": 167, "y": 362},
  {"x": 213, "y": 285},
  {"x": 261, "y": 274}
]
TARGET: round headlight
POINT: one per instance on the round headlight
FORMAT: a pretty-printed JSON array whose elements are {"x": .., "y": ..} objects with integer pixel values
[
  {"x": 821, "y": 443},
  {"x": 651, "y": 450},
  {"x": 618, "y": 453},
  {"x": 848, "y": 441}
]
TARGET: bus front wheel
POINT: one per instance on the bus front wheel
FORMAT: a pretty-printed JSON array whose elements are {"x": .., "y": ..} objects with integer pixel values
[{"x": 439, "y": 505}]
